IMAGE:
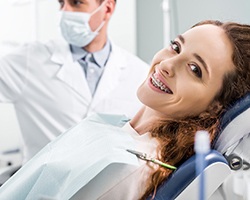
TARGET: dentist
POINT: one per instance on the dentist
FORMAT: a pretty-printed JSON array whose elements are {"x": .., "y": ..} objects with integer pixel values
[{"x": 55, "y": 85}]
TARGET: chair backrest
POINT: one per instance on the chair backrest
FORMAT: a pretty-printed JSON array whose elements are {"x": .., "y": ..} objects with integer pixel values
[
  {"x": 234, "y": 131},
  {"x": 183, "y": 183},
  {"x": 234, "y": 125}
]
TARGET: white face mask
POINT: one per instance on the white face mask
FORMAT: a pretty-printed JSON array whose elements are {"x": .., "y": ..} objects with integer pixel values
[{"x": 75, "y": 27}]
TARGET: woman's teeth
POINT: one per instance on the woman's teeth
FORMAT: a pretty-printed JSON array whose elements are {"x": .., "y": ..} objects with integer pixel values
[{"x": 157, "y": 83}]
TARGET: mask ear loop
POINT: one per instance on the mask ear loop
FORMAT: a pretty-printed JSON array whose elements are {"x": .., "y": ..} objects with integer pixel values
[
  {"x": 95, "y": 11},
  {"x": 99, "y": 8},
  {"x": 100, "y": 27}
]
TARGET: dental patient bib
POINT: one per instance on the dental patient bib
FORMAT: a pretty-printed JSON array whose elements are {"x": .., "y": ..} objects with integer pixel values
[{"x": 72, "y": 160}]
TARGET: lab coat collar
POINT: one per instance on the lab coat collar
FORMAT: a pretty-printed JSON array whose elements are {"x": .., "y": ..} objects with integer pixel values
[
  {"x": 110, "y": 79},
  {"x": 59, "y": 50},
  {"x": 61, "y": 54}
]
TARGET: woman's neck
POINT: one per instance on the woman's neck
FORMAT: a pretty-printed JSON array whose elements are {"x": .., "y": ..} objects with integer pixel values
[{"x": 144, "y": 119}]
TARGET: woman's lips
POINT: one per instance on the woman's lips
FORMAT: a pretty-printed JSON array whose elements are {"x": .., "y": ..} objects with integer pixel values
[{"x": 157, "y": 83}]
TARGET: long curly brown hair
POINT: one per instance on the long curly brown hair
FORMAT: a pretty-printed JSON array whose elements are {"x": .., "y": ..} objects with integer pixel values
[{"x": 176, "y": 137}]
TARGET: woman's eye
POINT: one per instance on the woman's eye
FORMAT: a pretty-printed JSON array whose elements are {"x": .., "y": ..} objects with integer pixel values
[
  {"x": 175, "y": 46},
  {"x": 196, "y": 70}
]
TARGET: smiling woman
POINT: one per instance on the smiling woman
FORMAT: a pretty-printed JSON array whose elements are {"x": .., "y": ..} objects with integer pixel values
[
  {"x": 190, "y": 85},
  {"x": 221, "y": 52},
  {"x": 186, "y": 66}
]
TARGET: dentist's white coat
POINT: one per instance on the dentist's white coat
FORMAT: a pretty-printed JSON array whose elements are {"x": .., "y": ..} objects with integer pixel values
[{"x": 50, "y": 92}]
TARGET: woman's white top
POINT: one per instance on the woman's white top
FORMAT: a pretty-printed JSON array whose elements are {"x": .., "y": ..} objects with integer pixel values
[{"x": 89, "y": 161}]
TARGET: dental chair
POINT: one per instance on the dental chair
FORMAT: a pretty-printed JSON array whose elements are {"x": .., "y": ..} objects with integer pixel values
[
  {"x": 235, "y": 131},
  {"x": 233, "y": 143},
  {"x": 229, "y": 154}
]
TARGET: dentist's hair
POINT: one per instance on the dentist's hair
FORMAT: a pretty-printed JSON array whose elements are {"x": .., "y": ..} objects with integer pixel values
[{"x": 176, "y": 137}]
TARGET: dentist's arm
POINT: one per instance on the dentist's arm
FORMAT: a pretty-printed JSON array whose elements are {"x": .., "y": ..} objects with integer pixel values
[{"x": 13, "y": 74}]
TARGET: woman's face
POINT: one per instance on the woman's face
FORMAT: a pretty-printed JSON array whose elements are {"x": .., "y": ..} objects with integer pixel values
[{"x": 186, "y": 76}]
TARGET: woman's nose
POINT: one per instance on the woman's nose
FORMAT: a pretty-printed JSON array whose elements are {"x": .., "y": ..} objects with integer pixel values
[{"x": 168, "y": 67}]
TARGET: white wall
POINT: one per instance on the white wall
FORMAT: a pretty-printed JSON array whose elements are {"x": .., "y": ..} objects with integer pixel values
[
  {"x": 184, "y": 14},
  {"x": 15, "y": 22},
  {"x": 28, "y": 20},
  {"x": 123, "y": 25},
  {"x": 149, "y": 28}
]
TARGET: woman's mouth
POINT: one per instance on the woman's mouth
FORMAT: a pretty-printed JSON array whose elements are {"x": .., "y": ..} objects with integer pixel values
[{"x": 159, "y": 84}]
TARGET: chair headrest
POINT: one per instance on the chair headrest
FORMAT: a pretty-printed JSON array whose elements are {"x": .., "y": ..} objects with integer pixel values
[{"x": 234, "y": 124}]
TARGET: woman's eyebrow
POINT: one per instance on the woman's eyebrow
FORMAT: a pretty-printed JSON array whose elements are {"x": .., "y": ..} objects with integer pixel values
[
  {"x": 199, "y": 58},
  {"x": 181, "y": 38}
]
